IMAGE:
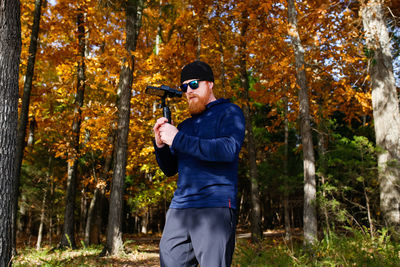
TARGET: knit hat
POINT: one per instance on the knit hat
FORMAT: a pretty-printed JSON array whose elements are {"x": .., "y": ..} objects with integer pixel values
[{"x": 197, "y": 70}]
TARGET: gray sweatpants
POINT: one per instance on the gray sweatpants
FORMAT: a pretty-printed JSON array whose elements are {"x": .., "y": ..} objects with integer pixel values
[{"x": 198, "y": 235}]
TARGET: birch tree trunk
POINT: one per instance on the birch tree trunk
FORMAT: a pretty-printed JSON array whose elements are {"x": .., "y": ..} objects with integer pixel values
[
  {"x": 23, "y": 118},
  {"x": 10, "y": 51},
  {"x": 309, "y": 213},
  {"x": 255, "y": 225},
  {"x": 68, "y": 237},
  {"x": 114, "y": 244},
  {"x": 385, "y": 106}
]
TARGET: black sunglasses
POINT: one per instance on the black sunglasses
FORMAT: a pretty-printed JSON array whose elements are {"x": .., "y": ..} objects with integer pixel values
[{"x": 193, "y": 84}]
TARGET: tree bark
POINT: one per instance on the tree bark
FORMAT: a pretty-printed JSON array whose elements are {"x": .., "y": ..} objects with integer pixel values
[
  {"x": 133, "y": 14},
  {"x": 309, "y": 213},
  {"x": 256, "y": 230},
  {"x": 385, "y": 106},
  {"x": 10, "y": 51},
  {"x": 23, "y": 118},
  {"x": 68, "y": 237}
]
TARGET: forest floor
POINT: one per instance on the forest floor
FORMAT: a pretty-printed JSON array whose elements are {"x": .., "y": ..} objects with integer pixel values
[{"x": 140, "y": 250}]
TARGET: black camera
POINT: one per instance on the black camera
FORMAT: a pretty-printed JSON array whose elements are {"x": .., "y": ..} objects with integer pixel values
[{"x": 164, "y": 91}]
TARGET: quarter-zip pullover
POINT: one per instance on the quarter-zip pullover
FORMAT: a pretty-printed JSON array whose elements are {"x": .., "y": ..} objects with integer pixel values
[{"x": 205, "y": 154}]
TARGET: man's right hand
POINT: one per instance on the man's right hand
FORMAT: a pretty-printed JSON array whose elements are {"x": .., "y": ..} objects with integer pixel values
[{"x": 156, "y": 130}]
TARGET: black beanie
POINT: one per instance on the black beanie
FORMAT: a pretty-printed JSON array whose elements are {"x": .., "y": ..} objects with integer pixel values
[{"x": 197, "y": 70}]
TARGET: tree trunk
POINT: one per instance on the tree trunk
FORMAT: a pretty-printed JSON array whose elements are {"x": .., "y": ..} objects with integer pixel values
[
  {"x": 221, "y": 49},
  {"x": 288, "y": 235},
  {"x": 256, "y": 231},
  {"x": 10, "y": 51},
  {"x": 159, "y": 31},
  {"x": 42, "y": 216},
  {"x": 385, "y": 106},
  {"x": 84, "y": 212},
  {"x": 31, "y": 135},
  {"x": 198, "y": 50},
  {"x": 114, "y": 229},
  {"x": 91, "y": 209},
  {"x": 92, "y": 230},
  {"x": 91, "y": 215},
  {"x": 51, "y": 209},
  {"x": 369, "y": 213},
  {"x": 22, "y": 218},
  {"x": 145, "y": 222},
  {"x": 309, "y": 213},
  {"x": 43, "y": 209},
  {"x": 23, "y": 118},
  {"x": 68, "y": 237},
  {"x": 322, "y": 143}
]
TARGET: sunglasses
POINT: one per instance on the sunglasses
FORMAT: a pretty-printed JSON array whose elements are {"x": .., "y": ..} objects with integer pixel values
[{"x": 193, "y": 84}]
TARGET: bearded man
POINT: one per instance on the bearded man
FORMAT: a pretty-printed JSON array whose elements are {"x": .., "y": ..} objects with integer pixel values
[{"x": 204, "y": 150}]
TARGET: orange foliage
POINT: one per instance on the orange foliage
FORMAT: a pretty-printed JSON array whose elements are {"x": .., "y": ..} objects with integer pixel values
[{"x": 335, "y": 66}]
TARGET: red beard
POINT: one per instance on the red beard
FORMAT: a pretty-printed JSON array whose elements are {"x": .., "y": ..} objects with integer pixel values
[{"x": 197, "y": 104}]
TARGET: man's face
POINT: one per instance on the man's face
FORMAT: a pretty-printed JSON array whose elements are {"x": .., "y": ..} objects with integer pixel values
[{"x": 200, "y": 97}]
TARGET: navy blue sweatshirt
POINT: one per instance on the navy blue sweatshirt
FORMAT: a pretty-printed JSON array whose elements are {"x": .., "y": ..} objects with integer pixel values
[{"x": 205, "y": 154}]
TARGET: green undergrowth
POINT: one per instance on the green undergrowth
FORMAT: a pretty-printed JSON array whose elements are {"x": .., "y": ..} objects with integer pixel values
[
  {"x": 352, "y": 249},
  {"x": 136, "y": 253},
  {"x": 58, "y": 257}
]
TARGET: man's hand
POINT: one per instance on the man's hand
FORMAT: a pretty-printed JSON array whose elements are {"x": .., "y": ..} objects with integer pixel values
[
  {"x": 156, "y": 130},
  {"x": 167, "y": 133}
]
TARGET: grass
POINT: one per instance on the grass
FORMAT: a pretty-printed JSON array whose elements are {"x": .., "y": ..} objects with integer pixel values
[
  {"x": 139, "y": 251},
  {"x": 353, "y": 248}
]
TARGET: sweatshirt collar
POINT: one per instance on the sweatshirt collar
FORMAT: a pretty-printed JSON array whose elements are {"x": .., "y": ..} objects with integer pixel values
[
  {"x": 216, "y": 102},
  {"x": 211, "y": 104}
]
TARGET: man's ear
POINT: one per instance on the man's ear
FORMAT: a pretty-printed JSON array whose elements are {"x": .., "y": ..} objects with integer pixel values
[{"x": 211, "y": 85}]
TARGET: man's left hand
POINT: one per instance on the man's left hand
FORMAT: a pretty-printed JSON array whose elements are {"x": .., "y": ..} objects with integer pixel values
[{"x": 167, "y": 133}]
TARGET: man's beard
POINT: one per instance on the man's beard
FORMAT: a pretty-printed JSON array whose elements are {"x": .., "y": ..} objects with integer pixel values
[{"x": 198, "y": 104}]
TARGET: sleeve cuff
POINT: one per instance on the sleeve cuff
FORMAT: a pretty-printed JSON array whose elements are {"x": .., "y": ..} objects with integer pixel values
[{"x": 175, "y": 142}]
